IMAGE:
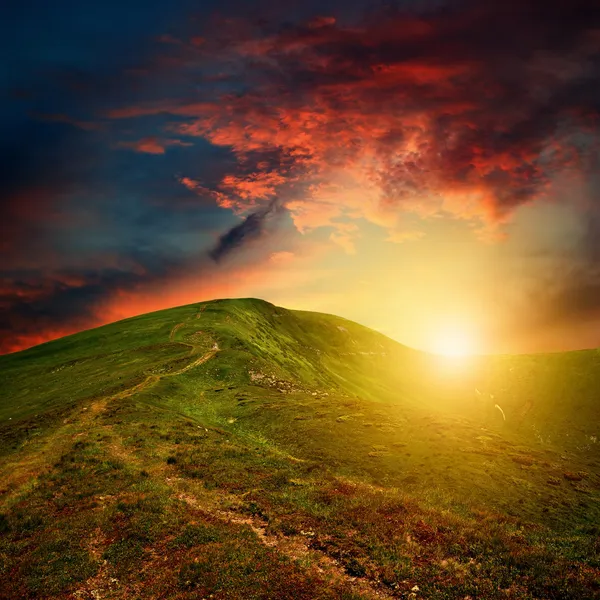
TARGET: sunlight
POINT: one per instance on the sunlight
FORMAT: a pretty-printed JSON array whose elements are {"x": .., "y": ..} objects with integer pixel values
[{"x": 454, "y": 344}]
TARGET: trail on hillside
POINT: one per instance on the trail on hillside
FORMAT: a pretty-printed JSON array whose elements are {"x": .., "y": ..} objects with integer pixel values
[
  {"x": 25, "y": 469},
  {"x": 174, "y": 331},
  {"x": 381, "y": 501},
  {"x": 155, "y": 378},
  {"x": 296, "y": 548}
]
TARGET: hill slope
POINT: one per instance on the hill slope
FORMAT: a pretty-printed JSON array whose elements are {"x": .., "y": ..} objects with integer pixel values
[{"x": 240, "y": 450}]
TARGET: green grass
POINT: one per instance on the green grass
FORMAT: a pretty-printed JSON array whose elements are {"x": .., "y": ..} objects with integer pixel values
[{"x": 240, "y": 450}]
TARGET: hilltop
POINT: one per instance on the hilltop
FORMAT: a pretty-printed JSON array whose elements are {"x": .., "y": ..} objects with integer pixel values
[{"x": 235, "y": 449}]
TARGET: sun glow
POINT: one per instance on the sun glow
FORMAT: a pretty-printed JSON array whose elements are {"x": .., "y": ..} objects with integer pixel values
[{"x": 454, "y": 344}]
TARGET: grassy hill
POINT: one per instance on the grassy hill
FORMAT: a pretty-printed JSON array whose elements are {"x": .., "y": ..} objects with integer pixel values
[{"x": 234, "y": 449}]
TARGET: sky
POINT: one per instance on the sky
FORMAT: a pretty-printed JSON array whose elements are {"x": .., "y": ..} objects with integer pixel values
[{"x": 427, "y": 168}]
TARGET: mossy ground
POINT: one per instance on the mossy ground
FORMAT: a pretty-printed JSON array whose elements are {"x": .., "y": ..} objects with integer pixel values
[{"x": 237, "y": 450}]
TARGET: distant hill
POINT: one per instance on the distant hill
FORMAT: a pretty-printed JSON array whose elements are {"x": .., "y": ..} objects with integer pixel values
[{"x": 235, "y": 449}]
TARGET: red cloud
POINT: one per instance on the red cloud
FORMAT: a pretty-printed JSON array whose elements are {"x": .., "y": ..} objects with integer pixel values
[
  {"x": 239, "y": 193},
  {"x": 152, "y": 145},
  {"x": 253, "y": 186},
  {"x": 469, "y": 113}
]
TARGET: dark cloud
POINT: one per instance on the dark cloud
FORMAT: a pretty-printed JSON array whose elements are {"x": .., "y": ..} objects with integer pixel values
[
  {"x": 574, "y": 298},
  {"x": 250, "y": 229},
  {"x": 82, "y": 221},
  {"x": 60, "y": 300},
  {"x": 39, "y": 165},
  {"x": 34, "y": 302},
  {"x": 560, "y": 302}
]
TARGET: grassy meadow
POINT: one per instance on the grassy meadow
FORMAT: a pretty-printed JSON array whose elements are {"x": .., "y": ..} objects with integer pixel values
[{"x": 234, "y": 449}]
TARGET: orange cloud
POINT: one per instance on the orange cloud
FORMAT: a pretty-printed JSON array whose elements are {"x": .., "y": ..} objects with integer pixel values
[{"x": 253, "y": 186}]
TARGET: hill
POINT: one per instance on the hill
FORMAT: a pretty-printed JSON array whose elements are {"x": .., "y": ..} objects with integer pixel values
[{"x": 234, "y": 449}]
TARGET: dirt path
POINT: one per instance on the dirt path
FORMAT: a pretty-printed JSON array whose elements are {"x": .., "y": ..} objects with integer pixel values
[
  {"x": 296, "y": 547},
  {"x": 175, "y": 330},
  {"x": 39, "y": 454},
  {"x": 152, "y": 379}
]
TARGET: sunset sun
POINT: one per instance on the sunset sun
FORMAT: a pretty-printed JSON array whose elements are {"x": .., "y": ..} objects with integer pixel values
[{"x": 454, "y": 343}]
